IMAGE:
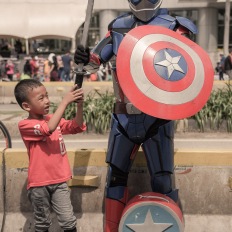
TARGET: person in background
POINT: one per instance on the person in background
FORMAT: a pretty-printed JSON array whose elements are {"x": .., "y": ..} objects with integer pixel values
[
  {"x": 49, "y": 167},
  {"x": 67, "y": 62},
  {"x": 46, "y": 70},
  {"x": 10, "y": 69},
  {"x": 221, "y": 67},
  {"x": 34, "y": 67},
  {"x": 54, "y": 76},
  {"x": 60, "y": 68},
  {"x": 26, "y": 71},
  {"x": 228, "y": 64}
]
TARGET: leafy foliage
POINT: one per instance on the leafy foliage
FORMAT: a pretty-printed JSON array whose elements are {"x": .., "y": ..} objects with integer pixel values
[
  {"x": 98, "y": 108},
  {"x": 217, "y": 109},
  {"x": 97, "y": 111}
]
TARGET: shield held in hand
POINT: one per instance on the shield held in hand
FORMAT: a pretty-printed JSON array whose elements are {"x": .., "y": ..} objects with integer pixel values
[{"x": 163, "y": 73}]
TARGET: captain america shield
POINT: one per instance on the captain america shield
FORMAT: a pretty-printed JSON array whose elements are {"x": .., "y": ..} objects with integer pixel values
[
  {"x": 163, "y": 73},
  {"x": 149, "y": 212}
]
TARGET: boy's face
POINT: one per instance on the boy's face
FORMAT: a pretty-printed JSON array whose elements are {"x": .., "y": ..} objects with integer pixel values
[{"x": 38, "y": 102}]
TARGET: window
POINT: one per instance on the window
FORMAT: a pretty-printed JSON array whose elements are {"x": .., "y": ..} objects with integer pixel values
[{"x": 221, "y": 24}]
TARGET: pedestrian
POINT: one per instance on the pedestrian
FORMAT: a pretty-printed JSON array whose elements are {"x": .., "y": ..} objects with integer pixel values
[
  {"x": 49, "y": 167},
  {"x": 228, "y": 64},
  {"x": 60, "y": 68},
  {"x": 26, "y": 74},
  {"x": 221, "y": 67},
  {"x": 101, "y": 73},
  {"x": 34, "y": 66},
  {"x": 67, "y": 63},
  {"x": 10, "y": 69},
  {"x": 46, "y": 70},
  {"x": 54, "y": 75}
]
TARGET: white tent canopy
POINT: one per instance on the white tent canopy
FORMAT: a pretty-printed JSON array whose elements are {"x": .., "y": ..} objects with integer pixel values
[{"x": 37, "y": 18}]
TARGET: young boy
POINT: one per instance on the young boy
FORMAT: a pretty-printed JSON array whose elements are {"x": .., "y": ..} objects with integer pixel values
[{"x": 48, "y": 162}]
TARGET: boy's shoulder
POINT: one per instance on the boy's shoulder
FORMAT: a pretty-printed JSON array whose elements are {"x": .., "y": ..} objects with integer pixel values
[{"x": 33, "y": 120}]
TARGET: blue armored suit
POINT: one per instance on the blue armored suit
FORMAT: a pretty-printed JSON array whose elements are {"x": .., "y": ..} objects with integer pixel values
[{"x": 131, "y": 128}]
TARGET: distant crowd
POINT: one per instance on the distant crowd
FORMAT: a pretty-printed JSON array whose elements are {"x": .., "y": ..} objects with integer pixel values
[
  {"x": 224, "y": 66},
  {"x": 45, "y": 69}
]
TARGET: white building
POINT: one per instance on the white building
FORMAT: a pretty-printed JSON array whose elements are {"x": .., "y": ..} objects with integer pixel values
[{"x": 60, "y": 21}]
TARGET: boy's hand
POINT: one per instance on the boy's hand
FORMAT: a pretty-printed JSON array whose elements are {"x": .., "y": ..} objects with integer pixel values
[{"x": 74, "y": 95}]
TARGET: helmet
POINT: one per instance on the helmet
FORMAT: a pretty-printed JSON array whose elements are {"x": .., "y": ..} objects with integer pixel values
[{"x": 144, "y": 9}]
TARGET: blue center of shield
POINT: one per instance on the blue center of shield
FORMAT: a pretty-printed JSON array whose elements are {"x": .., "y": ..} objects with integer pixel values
[
  {"x": 170, "y": 65},
  {"x": 149, "y": 216}
]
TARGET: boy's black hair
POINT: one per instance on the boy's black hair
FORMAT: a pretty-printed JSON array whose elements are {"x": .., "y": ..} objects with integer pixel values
[{"x": 22, "y": 88}]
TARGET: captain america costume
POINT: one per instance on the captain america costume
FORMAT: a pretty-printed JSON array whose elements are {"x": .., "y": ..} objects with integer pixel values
[{"x": 131, "y": 128}]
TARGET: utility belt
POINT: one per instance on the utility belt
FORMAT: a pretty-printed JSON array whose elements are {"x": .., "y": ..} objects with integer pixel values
[{"x": 125, "y": 108}]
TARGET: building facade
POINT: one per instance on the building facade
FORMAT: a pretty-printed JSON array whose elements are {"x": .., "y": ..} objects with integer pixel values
[
  {"x": 59, "y": 23},
  {"x": 208, "y": 15}
]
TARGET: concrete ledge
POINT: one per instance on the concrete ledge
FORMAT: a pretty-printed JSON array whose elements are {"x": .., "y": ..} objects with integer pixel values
[
  {"x": 203, "y": 158},
  {"x": 203, "y": 179},
  {"x": 57, "y": 89},
  {"x": 85, "y": 181}
]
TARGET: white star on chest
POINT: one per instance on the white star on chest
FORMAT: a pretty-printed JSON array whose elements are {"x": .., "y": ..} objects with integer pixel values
[
  {"x": 149, "y": 225},
  {"x": 171, "y": 63}
]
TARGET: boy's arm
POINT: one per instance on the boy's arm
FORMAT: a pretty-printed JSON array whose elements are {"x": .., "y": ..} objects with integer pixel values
[
  {"x": 79, "y": 115},
  {"x": 73, "y": 95}
]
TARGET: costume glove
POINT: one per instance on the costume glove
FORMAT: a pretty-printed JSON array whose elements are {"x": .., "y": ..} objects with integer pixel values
[{"x": 82, "y": 55}]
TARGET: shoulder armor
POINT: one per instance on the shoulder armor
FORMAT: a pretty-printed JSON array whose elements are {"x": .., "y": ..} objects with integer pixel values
[
  {"x": 166, "y": 17},
  {"x": 164, "y": 21},
  {"x": 123, "y": 21},
  {"x": 113, "y": 21},
  {"x": 187, "y": 23}
]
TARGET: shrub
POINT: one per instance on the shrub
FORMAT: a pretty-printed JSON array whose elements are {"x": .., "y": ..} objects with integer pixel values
[
  {"x": 217, "y": 109},
  {"x": 97, "y": 111},
  {"x": 98, "y": 108}
]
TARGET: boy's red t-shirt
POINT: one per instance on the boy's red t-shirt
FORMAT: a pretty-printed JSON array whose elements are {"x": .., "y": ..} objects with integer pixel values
[{"x": 48, "y": 160}]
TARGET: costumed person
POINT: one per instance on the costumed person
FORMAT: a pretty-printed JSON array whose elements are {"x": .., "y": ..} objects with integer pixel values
[{"x": 131, "y": 127}]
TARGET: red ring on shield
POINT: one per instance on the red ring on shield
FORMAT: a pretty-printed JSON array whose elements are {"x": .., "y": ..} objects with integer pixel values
[
  {"x": 166, "y": 109},
  {"x": 160, "y": 82}
]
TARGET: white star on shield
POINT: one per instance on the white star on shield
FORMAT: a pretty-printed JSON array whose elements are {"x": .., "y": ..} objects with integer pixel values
[
  {"x": 171, "y": 63},
  {"x": 149, "y": 225}
]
